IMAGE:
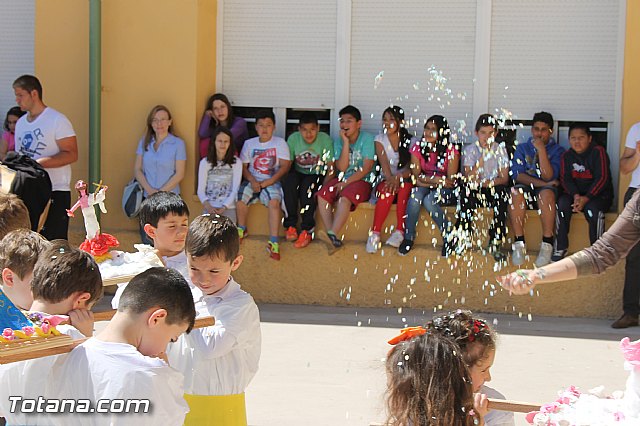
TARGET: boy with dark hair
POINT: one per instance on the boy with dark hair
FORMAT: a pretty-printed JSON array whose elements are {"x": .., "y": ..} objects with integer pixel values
[
  {"x": 586, "y": 181},
  {"x": 265, "y": 160},
  {"x": 349, "y": 184},
  {"x": 218, "y": 362},
  {"x": 19, "y": 252},
  {"x": 124, "y": 360},
  {"x": 66, "y": 281},
  {"x": 535, "y": 169},
  {"x": 312, "y": 155},
  {"x": 47, "y": 136},
  {"x": 164, "y": 217},
  {"x": 486, "y": 168},
  {"x": 13, "y": 214}
]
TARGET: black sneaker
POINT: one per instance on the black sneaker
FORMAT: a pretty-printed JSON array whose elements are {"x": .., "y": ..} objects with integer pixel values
[
  {"x": 337, "y": 243},
  {"x": 497, "y": 253},
  {"x": 558, "y": 255},
  {"x": 332, "y": 242},
  {"x": 450, "y": 246},
  {"x": 405, "y": 247}
]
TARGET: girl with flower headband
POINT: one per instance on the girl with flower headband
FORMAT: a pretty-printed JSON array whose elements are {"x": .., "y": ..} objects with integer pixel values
[
  {"x": 477, "y": 343},
  {"x": 428, "y": 383}
]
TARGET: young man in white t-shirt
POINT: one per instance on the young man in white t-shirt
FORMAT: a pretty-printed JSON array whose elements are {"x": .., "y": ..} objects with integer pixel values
[
  {"x": 48, "y": 137},
  {"x": 631, "y": 294}
]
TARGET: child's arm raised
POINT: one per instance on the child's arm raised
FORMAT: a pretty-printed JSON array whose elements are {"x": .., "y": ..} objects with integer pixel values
[{"x": 82, "y": 319}]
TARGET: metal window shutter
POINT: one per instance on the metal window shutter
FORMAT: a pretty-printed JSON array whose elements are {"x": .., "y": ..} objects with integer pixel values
[
  {"x": 404, "y": 40},
  {"x": 16, "y": 47},
  {"x": 555, "y": 55},
  {"x": 279, "y": 53}
]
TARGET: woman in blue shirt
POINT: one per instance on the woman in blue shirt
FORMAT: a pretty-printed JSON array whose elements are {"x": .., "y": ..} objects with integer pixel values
[{"x": 161, "y": 156}]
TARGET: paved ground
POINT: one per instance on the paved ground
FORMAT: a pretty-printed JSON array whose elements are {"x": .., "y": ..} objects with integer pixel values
[
  {"x": 319, "y": 367},
  {"x": 323, "y": 366}
]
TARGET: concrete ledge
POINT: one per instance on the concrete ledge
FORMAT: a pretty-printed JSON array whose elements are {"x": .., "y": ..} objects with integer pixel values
[
  {"x": 360, "y": 221},
  {"x": 421, "y": 280}
]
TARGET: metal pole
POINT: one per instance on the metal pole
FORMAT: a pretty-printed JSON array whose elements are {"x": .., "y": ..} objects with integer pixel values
[{"x": 95, "y": 89}]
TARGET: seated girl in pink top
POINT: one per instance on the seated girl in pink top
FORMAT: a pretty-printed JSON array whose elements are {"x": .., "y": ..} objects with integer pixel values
[
  {"x": 8, "y": 140},
  {"x": 434, "y": 162}
]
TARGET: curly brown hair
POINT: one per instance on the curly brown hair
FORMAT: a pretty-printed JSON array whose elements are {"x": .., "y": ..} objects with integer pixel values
[
  {"x": 428, "y": 383},
  {"x": 473, "y": 335}
]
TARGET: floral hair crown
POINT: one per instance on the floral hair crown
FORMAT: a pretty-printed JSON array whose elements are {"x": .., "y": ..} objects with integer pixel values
[{"x": 476, "y": 326}]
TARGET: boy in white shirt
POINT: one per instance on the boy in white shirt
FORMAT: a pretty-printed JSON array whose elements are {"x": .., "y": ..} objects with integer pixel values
[
  {"x": 218, "y": 362},
  {"x": 265, "y": 161},
  {"x": 164, "y": 217},
  {"x": 66, "y": 281},
  {"x": 123, "y": 361}
]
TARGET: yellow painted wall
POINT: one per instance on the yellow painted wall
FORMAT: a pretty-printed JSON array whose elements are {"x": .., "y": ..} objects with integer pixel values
[
  {"x": 153, "y": 52},
  {"x": 631, "y": 81},
  {"x": 62, "y": 65}
]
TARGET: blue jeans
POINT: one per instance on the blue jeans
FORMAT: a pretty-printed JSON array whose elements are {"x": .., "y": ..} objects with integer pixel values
[{"x": 431, "y": 199}]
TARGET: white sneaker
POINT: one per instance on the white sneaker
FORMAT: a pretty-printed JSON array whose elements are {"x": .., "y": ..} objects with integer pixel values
[
  {"x": 395, "y": 239},
  {"x": 373, "y": 242},
  {"x": 518, "y": 253},
  {"x": 544, "y": 257}
]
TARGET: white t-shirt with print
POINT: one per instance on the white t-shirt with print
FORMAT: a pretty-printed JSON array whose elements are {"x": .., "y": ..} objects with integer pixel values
[
  {"x": 38, "y": 138},
  {"x": 494, "y": 158},
  {"x": 263, "y": 157},
  {"x": 632, "y": 137},
  {"x": 393, "y": 156}
]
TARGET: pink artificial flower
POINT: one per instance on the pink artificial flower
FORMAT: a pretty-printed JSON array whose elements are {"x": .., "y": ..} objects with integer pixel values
[
  {"x": 552, "y": 407},
  {"x": 530, "y": 416},
  {"x": 55, "y": 320},
  {"x": 618, "y": 416},
  {"x": 7, "y": 333},
  {"x": 631, "y": 351},
  {"x": 28, "y": 330}
]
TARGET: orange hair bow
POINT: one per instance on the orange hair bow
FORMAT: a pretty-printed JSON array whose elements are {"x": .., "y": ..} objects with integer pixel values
[{"x": 408, "y": 333}]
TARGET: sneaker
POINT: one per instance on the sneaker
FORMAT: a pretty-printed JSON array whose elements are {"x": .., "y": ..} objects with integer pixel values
[
  {"x": 332, "y": 242},
  {"x": 274, "y": 250},
  {"x": 497, "y": 253},
  {"x": 450, "y": 246},
  {"x": 395, "y": 239},
  {"x": 544, "y": 256},
  {"x": 405, "y": 247},
  {"x": 558, "y": 255},
  {"x": 291, "y": 234},
  {"x": 519, "y": 250},
  {"x": 373, "y": 242},
  {"x": 303, "y": 240},
  {"x": 242, "y": 233},
  {"x": 625, "y": 321}
]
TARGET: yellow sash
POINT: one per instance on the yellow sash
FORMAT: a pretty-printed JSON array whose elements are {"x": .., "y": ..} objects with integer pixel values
[{"x": 216, "y": 410}]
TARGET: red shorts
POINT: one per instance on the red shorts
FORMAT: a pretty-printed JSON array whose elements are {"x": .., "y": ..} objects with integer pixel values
[{"x": 356, "y": 192}]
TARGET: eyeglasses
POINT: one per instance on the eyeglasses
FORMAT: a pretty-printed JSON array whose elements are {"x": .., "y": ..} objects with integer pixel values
[{"x": 159, "y": 120}]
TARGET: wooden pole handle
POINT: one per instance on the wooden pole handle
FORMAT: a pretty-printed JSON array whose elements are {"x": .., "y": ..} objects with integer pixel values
[
  {"x": 107, "y": 315},
  {"x": 515, "y": 406}
]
